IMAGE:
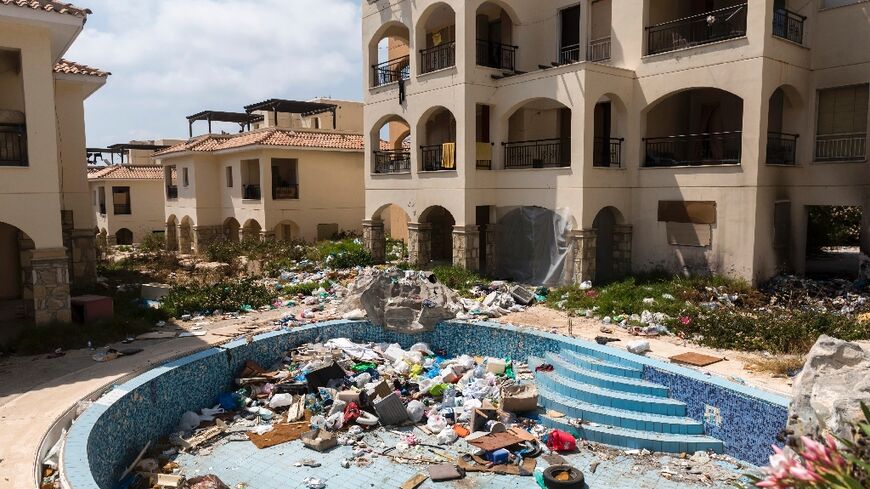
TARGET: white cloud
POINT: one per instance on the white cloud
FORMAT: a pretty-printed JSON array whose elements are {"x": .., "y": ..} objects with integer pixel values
[{"x": 171, "y": 58}]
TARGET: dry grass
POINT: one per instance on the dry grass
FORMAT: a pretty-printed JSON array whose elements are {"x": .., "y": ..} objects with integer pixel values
[{"x": 780, "y": 365}]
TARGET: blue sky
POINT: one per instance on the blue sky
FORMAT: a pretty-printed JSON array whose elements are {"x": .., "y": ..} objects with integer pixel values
[{"x": 173, "y": 58}]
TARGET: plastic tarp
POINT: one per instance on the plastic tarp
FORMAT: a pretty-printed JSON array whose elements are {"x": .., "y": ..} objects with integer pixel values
[{"x": 533, "y": 245}]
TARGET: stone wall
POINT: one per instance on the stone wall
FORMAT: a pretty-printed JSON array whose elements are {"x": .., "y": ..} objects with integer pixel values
[
  {"x": 622, "y": 236},
  {"x": 419, "y": 244},
  {"x": 466, "y": 247},
  {"x": 51, "y": 285},
  {"x": 81, "y": 249},
  {"x": 171, "y": 237},
  {"x": 491, "y": 258},
  {"x": 205, "y": 235},
  {"x": 375, "y": 240},
  {"x": 583, "y": 242}
]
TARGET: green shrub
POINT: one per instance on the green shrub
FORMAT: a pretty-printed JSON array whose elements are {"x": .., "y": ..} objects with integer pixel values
[
  {"x": 153, "y": 243},
  {"x": 226, "y": 296},
  {"x": 305, "y": 289},
  {"x": 397, "y": 250},
  {"x": 457, "y": 278},
  {"x": 343, "y": 254},
  {"x": 224, "y": 251}
]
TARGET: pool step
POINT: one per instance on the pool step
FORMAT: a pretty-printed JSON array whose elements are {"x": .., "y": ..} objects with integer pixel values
[
  {"x": 600, "y": 365},
  {"x": 610, "y": 398},
  {"x": 615, "y": 382},
  {"x": 628, "y": 438}
]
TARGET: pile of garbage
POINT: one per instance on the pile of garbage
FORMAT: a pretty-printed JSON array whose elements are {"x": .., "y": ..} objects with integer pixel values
[
  {"x": 836, "y": 295},
  {"x": 340, "y": 392}
]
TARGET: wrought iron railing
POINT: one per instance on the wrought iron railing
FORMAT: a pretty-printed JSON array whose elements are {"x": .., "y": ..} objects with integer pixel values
[
  {"x": 392, "y": 161},
  {"x": 391, "y": 71},
  {"x": 251, "y": 192},
  {"x": 599, "y": 49},
  {"x": 122, "y": 209},
  {"x": 569, "y": 54},
  {"x": 841, "y": 147},
  {"x": 607, "y": 152},
  {"x": 788, "y": 25},
  {"x": 718, "y": 148},
  {"x": 716, "y": 25},
  {"x": 433, "y": 158},
  {"x": 285, "y": 192},
  {"x": 496, "y": 55},
  {"x": 172, "y": 191},
  {"x": 542, "y": 153},
  {"x": 484, "y": 164},
  {"x": 13, "y": 145},
  {"x": 781, "y": 148},
  {"x": 438, "y": 58}
]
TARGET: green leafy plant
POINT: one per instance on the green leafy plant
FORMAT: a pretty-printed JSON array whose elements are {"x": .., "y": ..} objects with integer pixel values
[
  {"x": 226, "y": 296},
  {"x": 153, "y": 243},
  {"x": 458, "y": 278},
  {"x": 343, "y": 254}
]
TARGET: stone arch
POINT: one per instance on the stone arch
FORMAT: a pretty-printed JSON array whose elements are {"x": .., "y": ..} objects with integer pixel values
[
  {"x": 439, "y": 223},
  {"x": 185, "y": 235},
  {"x": 693, "y": 127},
  {"x": 537, "y": 134},
  {"x": 389, "y": 53},
  {"x": 124, "y": 237},
  {"x": 395, "y": 219},
  {"x": 251, "y": 230},
  {"x": 390, "y": 154},
  {"x": 172, "y": 233},
  {"x": 533, "y": 245},
  {"x": 436, "y": 37},
  {"x": 231, "y": 228},
  {"x": 287, "y": 230},
  {"x": 436, "y": 135},
  {"x": 13, "y": 241},
  {"x": 609, "y": 245}
]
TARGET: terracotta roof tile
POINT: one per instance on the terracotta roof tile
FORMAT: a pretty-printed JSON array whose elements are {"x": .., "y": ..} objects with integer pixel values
[
  {"x": 73, "y": 68},
  {"x": 270, "y": 137},
  {"x": 127, "y": 172},
  {"x": 49, "y": 6}
]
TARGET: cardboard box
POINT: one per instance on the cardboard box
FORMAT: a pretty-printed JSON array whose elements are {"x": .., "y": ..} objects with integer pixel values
[
  {"x": 519, "y": 398},
  {"x": 319, "y": 440}
]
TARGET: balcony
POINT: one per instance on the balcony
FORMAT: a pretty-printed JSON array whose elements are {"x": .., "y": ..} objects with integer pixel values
[
  {"x": 496, "y": 55},
  {"x": 541, "y": 153},
  {"x": 781, "y": 148},
  {"x": 392, "y": 161},
  {"x": 251, "y": 192},
  {"x": 13, "y": 145},
  {"x": 438, "y": 58},
  {"x": 569, "y": 54},
  {"x": 391, "y": 71},
  {"x": 439, "y": 157},
  {"x": 788, "y": 25},
  {"x": 284, "y": 192},
  {"x": 607, "y": 153},
  {"x": 122, "y": 209},
  {"x": 172, "y": 191},
  {"x": 696, "y": 30},
  {"x": 598, "y": 50},
  {"x": 841, "y": 147},
  {"x": 722, "y": 148}
]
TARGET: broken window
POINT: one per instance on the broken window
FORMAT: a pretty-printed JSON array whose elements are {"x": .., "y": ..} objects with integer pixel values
[
  {"x": 121, "y": 200},
  {"x": 688, "y": 223},
  {"x": 285, "y": 182}
]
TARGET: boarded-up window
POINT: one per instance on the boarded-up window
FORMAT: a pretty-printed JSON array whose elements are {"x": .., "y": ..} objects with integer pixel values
[
  {"x": 692, "y": 212},
  {"x": 326, "y": 231},
  {"x": 687, "y": 234},
  {"x": 229, "y": 176},
  {"x": 781, "y": 224},
  {"x": 843, "y": 110}
]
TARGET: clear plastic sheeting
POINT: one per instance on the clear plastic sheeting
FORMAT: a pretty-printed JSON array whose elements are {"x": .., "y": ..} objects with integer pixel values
[{"x": 533, "y": 245}]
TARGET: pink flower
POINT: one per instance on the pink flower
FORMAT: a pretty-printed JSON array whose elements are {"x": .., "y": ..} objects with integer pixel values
[
  {"x": 685, "y": 320},
  {"x": 802, "y": 473}
]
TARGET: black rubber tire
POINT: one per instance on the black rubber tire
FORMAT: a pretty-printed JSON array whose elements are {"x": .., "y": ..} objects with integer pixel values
[{"x": 576, "y": 480}]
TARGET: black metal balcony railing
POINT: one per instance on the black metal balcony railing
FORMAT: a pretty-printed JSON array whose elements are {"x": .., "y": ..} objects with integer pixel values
[
  {"x": 569, "y": 54},
  {"x": 438, "y": 58},
  {"x": 719, "y": 148},
  {"x": 599, "y": 49},
  {"x": 484, "y": 164},
  {"x": 716, "y": 25},
  {"x": 392, "y": 161},
  {"x": 391, "y": 71},
  {"x": 607, "y": 152},
  {"x": 13, "y": 145},
  {"x": 288, "y": 191},
  {"x": 251, "y": 192},
  {"x": 433, "y": 158},
  {"x": 122, "y": 209},
  {"x": 497, "y": 55},
  {"x": 841, "y": 147},
  {"x": 781, "y": 148},
  {"x": 171, "y": 191},
  {"x": 542, "y": 153},
  {"x": 788, "y": 25}
]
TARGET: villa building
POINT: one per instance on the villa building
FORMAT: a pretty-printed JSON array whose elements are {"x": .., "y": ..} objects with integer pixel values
[
  {"x": 294, "y": 172},
  {"x": 563, "y": 141},
  {"x": 47, "y": 226}
]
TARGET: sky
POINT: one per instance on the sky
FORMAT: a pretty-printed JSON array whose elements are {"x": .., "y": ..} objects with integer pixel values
[{"x": 173, "y": 58}]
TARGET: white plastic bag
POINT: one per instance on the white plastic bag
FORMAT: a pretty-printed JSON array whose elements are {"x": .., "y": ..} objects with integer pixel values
[
  {"x": 189, "y": 421},
  {"x": 415, "y": 411},
  {"x": 436, "y": 423},
  {"x": 280, "y": 400},
  {"x": 447, "y": 437}
]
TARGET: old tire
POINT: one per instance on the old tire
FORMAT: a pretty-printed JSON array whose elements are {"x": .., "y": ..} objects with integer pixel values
[{"x": 574, "y": 481}]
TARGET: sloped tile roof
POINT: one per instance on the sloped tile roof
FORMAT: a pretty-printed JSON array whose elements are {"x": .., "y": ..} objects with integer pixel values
[
  {"x": 127, "y": 172},
  {"x": 73, "y": 68},
  {"x": 270, "y": 137},
  {"x": 49, "y": 6}
]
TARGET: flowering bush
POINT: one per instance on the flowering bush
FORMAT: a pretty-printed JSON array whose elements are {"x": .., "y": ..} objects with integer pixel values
[{"x": 821, "y": 463}]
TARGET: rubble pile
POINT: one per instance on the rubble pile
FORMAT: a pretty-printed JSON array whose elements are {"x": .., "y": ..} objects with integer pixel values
[{"x": 836, "y": 295}]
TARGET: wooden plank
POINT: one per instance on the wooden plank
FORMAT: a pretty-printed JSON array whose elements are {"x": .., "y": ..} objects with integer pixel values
[
  {"x": 696, "y": 359},
  {"x": 688, "y": 211},
  {"x": 683, "y": 234}
]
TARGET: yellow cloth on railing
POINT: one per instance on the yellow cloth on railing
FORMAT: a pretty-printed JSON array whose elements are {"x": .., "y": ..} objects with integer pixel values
[
  {"x": 448, "y": 155},
  {"x": 484, "y": 152}
]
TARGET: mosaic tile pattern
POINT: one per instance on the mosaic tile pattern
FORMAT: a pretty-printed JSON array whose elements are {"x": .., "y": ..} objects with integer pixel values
[{"x": 111, "y": 432}]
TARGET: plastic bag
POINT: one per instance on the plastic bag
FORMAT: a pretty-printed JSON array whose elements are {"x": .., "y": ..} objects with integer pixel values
[
  {"x": 422, "y": 348},
  {"x": 280, "y": 400},
  {"x": 415, "y": 411},
  {"x": 436, "y": 423},
  {"x": 447, "y": 437},
  {"x": 335, "y": 422},
  {"x": 189, "y": 421}
]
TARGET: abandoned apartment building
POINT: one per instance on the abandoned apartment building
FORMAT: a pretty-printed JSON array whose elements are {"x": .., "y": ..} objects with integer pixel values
[
  {"x": 556, "y": 141},
  {"x": 46, "y": 221},
  {"x": 293, "y": 172}
]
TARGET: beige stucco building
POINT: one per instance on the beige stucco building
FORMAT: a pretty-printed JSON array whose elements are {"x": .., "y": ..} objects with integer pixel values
[
  {"x": 127, "y": 202},
  {"x": 46, "y": 222},
  {"x": 294, "y": 172},
  {"x": 559, "y": 140}
]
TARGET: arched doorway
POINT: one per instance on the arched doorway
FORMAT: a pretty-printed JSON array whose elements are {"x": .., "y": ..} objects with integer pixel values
[
  {"x": 441, "y": 224},
  {"x": 437, "y": 133},
  {"x": 172, "y": 234},
  {"x": 231, "y": 229},
  {"x": 607, "y": 266},
  {"x": 124, "y": 237},
  {"x": 251, "y": 231},
  {"x": 389, "y": 54},
  {"x": 538, "y": 136},
  {"x": 495, "y": 47},
  {"x": 783, "y": 124},
  {"x": 532, "y": 245},
  {"x": 391, "y": 143},
  {"x": 15, "y": 300},
  {"x": 185, "y": 238},
  {"x": 287, "y": 231},
  {"x": 436, "y": 36}
]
